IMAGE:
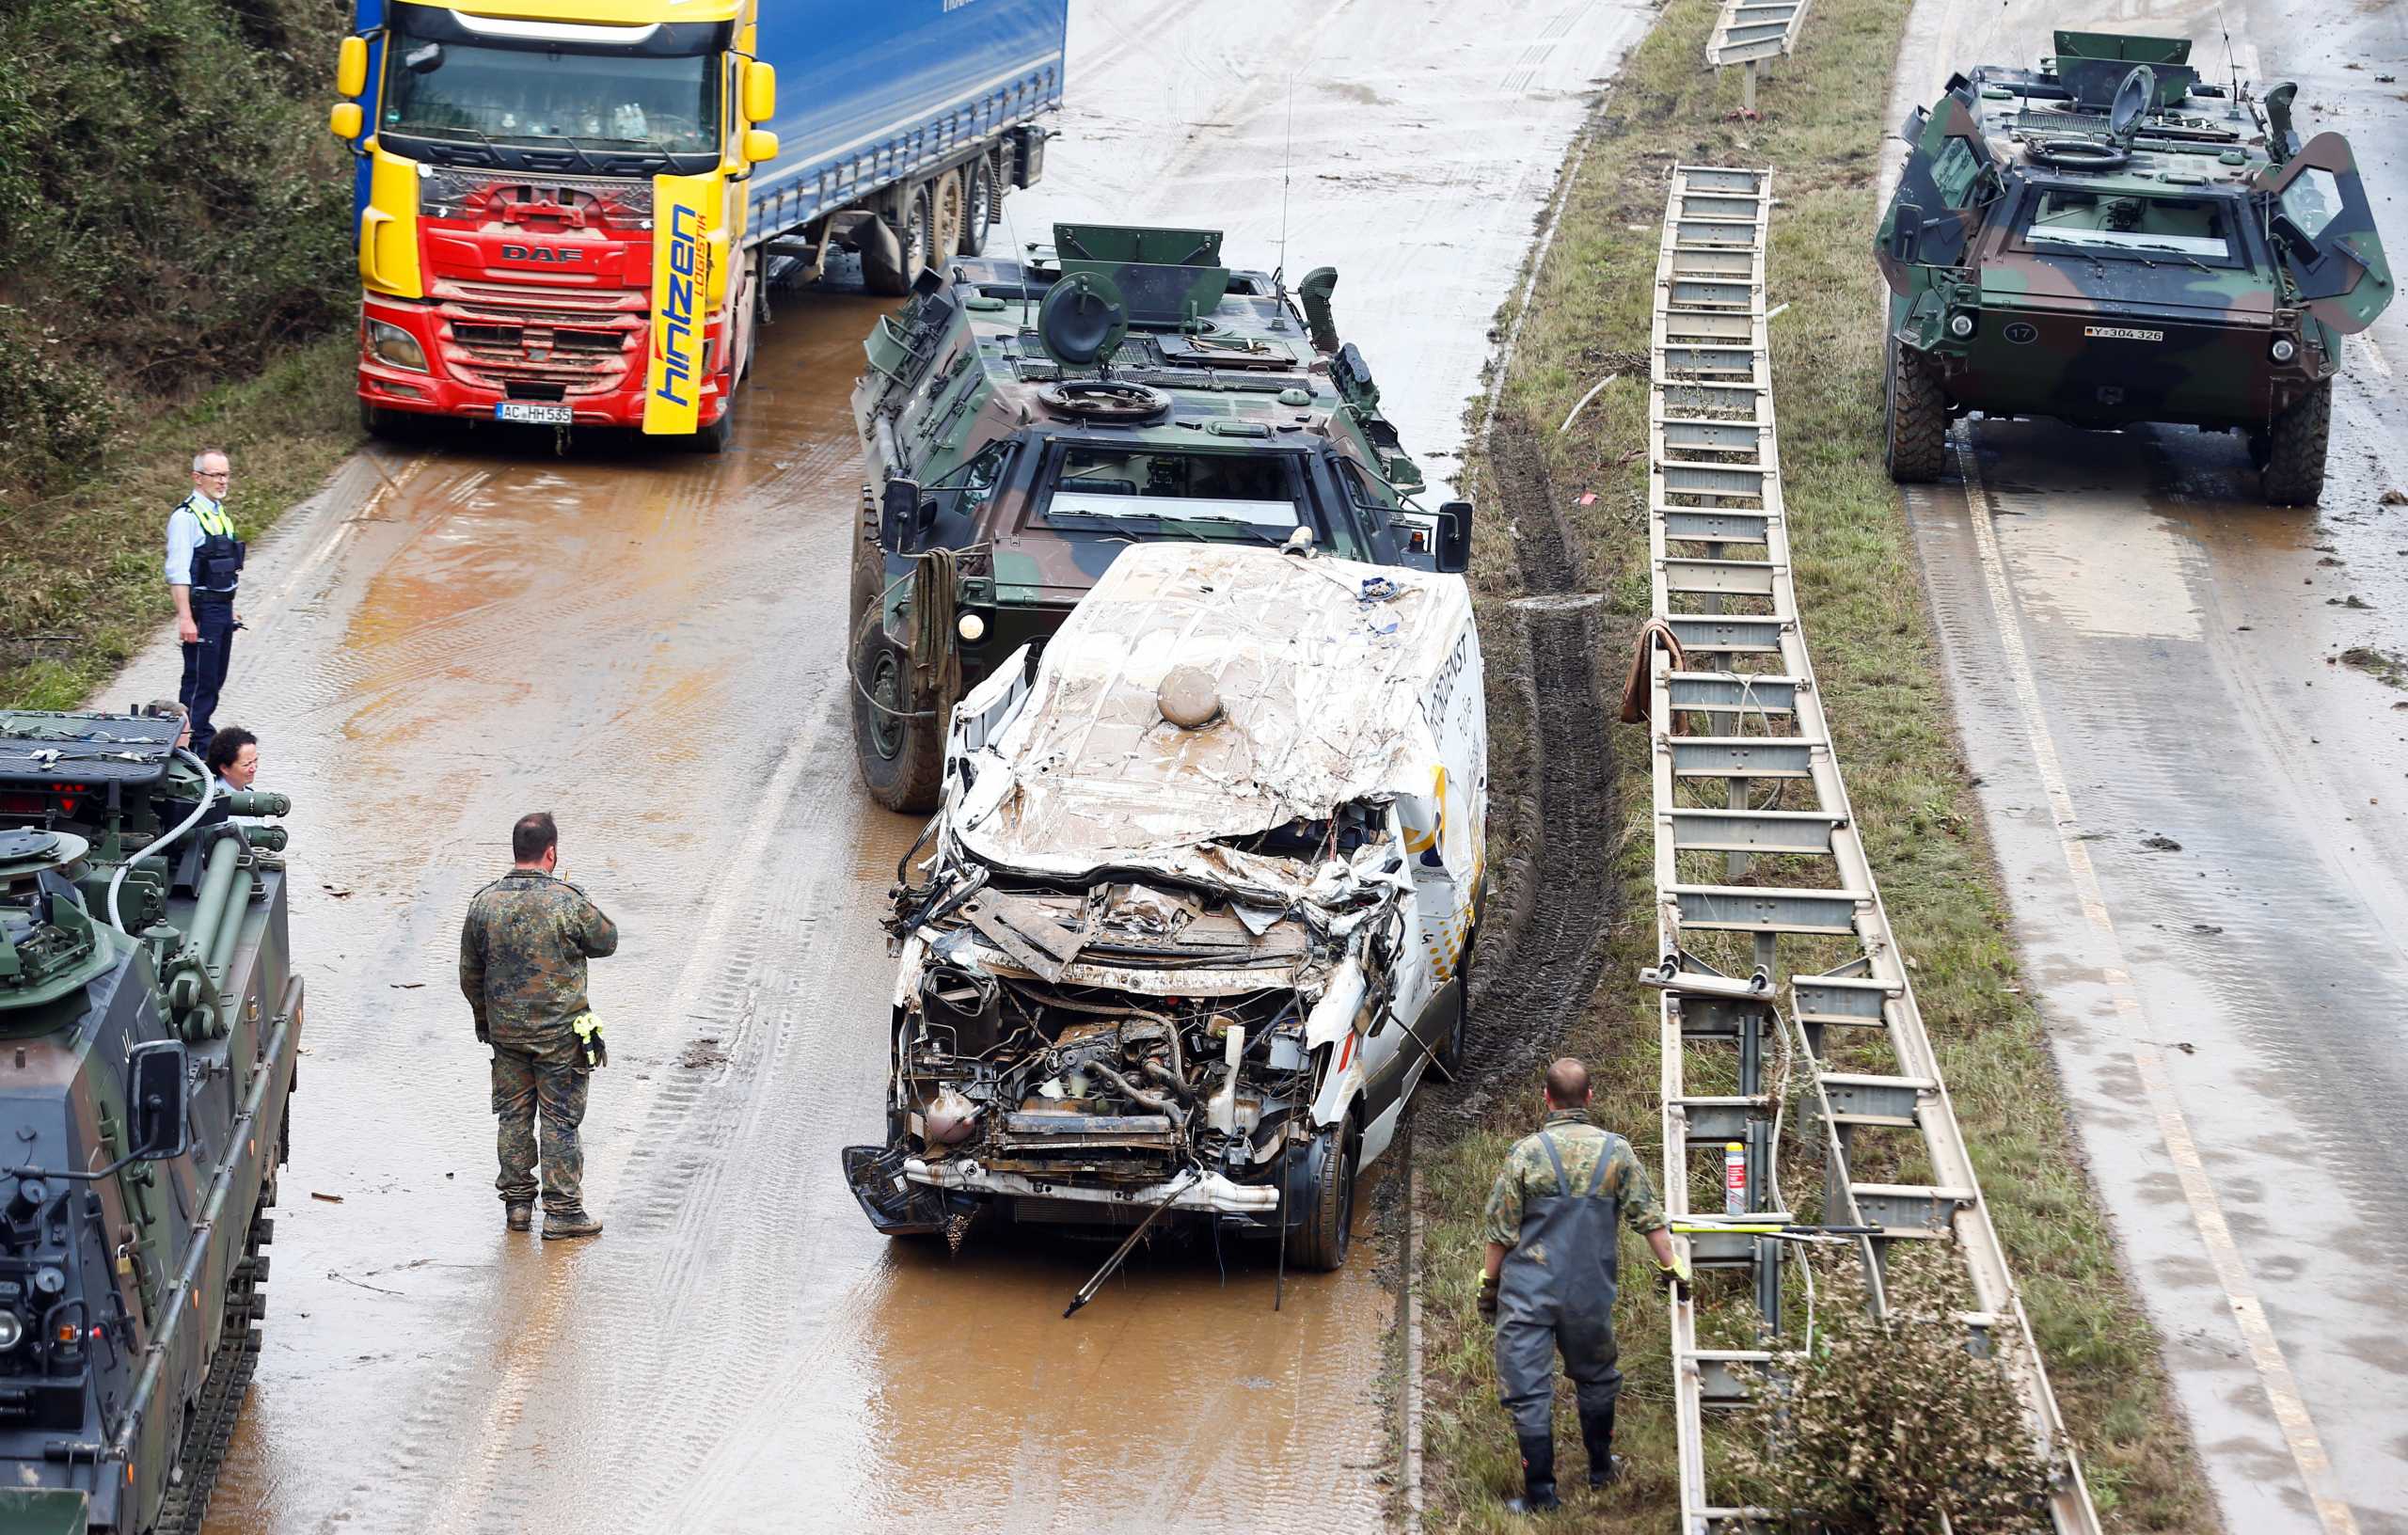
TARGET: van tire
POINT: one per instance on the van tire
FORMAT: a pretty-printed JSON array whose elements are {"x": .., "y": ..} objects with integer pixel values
[
  {"x": 2293, "y": 473},
  {"x": 1915, "y": 422},
  {"x": 1451, "y": 1051},
  {"x": 1327, "y": 1232},
  {"x": 901, "y": 759}
]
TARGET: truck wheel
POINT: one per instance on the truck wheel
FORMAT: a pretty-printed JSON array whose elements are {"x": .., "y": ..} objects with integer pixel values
[
  {"x": 945, "y": 200},
  {"x": 1914, "y": 418},
  {"x": 388, "y": 425},
  {"x": 1329, "y": 1193},
  {"x": 913, "y": 250},
  {"x": 977, "y": 206},
  {"x": 2293, "y": 473},
  {"x": 900, "y": 751}
]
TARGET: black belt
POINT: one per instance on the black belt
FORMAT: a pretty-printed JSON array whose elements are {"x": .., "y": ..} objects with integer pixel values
[{"x": 226, "y": 597}]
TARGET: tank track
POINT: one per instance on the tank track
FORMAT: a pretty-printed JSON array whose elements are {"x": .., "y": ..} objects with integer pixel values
[{"x": 210, "y": 1428}]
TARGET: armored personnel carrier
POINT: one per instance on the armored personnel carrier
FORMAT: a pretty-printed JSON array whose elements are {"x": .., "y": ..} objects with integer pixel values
[
  {"x": 149, "y": 1020},
  {"x": 1025, "y": 421},
  {"x": 2113, "y": 238}
]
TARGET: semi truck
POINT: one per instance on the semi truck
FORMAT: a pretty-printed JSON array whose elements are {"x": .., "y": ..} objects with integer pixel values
[{"x": 569, "y": 210}]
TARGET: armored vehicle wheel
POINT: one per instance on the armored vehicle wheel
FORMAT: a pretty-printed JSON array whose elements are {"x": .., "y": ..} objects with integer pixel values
[
  {"x": 900, "y": 749},
  {"x": 1914, "y": 419},
  {"x": 868, "y": 582},
  {"x": 2294, "y": 465},
  {"x": 977, "y": 206},
  {"x": 891, "y": 276},
  {"x": 1328, "y": 1199}
]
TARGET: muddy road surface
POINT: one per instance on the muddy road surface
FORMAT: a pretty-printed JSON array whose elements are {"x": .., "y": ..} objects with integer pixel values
[
  {"x": 649, "y": 645},
  {"x": 2199, "y": 796}
]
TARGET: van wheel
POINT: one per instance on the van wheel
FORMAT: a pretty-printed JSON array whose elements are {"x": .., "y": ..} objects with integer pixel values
[
  {"x": 2293, "y": 473},
  {"x": 1914, "y": 418},
  {"x": 1321, "y": 1247},
  {"x": 1450, "y": 1058},
  {"x": 893, "y": 278},
  {"x": 900, "y": 751}
]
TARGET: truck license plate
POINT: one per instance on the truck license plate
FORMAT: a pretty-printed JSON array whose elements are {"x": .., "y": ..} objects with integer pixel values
[{"x": 522, "y": 410}]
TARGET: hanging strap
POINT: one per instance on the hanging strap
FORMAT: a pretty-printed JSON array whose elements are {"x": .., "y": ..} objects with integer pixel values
[{"x": 1562, "y": 1184}]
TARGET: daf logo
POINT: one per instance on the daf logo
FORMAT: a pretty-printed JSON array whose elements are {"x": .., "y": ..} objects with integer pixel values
[
  {"x": 2022, "y": 333},
  {"x": 540, "y": 253}
]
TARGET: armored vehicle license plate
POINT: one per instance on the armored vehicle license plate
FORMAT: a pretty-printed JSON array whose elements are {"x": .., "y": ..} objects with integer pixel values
[
  {"x": 523, "y": 410},
  {"x": 2122, "y": 333}
]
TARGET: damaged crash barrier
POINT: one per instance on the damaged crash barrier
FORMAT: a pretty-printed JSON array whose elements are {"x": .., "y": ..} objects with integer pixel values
[{"x": 1195, "y": 916}]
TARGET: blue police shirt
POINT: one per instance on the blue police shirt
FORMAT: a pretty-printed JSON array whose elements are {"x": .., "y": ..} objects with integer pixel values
[{"x": 184, "y": 536}]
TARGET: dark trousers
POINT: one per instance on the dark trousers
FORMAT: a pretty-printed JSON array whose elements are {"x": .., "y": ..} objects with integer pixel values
[{"x": 205, "y": 661}]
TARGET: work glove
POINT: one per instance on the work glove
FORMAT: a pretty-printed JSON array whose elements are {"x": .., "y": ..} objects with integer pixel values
[
  {"x": 1488, "y": 1298},
  {"x": 1674, "y": 1277},
  {"x": 592, "y": 1051}
]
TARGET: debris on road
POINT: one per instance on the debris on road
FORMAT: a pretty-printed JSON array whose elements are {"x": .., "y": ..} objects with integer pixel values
[
  {"x": 705, "y": 1051},
  {"x": 329, "y": 1199},
  {"x": 2157, "y": 842}
]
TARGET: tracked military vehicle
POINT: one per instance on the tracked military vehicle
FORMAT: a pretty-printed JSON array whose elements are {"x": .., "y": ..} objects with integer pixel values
[
  {"x": 1025, "y": 421},
  {"x": 2113, "y": 238},
  {"x": 149, "y": 1020}
]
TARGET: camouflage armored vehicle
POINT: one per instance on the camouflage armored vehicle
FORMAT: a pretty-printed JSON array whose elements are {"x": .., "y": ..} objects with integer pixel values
[
  {"x": 1023, "y": 422},
  {"x": 2115, "y": 239},
  {"x": 149, "y": 1019}
]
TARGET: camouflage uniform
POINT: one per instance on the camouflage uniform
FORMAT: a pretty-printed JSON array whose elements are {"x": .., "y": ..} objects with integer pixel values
[
  {"x": 1562, "y": 1296},
  {"x": 522, "y": 967}
]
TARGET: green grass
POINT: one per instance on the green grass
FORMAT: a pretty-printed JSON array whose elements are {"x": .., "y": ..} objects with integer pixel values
[
  {"x": 1871, "y": 635},
  {"x": 80, "y": 582}
]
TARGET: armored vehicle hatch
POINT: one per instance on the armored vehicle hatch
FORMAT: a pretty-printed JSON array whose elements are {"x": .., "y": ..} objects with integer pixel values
[
  {"x": 2113, "y": 238},
  {"x": 1023, "y": 422}
]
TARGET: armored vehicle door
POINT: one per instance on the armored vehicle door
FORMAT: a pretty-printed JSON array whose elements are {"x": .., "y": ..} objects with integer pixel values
[
  {"x": 2325, "y": 235},
  {"x": 1941, "y": 191}
]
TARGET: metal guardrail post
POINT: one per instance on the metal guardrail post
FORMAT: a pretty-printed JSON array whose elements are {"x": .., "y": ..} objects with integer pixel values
[{"x": 1721, "y": 587}]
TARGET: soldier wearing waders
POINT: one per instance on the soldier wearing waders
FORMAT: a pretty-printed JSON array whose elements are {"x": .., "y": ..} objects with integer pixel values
[
  {"x": 522, "y": 967},
  {"x": 1550, "y": 1280}
]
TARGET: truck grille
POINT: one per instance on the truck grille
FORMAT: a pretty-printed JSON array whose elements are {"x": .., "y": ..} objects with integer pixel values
[{"x": 528, "y": 344}]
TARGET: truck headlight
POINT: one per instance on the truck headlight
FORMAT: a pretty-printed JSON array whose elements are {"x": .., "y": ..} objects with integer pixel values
[
  {"x": 395, "y": 347},
  {"x": 971, "y": 627},
  {"x": 1960, "y": 325},
  {"x": 2284, "y": 349},
  {"x": 13, "y": 1329}
]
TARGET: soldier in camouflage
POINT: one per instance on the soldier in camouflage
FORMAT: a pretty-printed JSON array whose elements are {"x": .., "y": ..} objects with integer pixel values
[
  {"x": 522, "y": 967},
  {"x": 1549, "y": 1279}
]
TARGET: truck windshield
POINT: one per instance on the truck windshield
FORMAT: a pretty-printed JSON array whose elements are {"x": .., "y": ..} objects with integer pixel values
[
  {"x": 2125, "y": 226},
  {"x": 451, "y": 89}
]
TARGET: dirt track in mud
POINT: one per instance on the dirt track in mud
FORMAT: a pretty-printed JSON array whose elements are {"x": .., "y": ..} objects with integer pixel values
[
  {"x": 649, "y": 646},
  {"x": 2139, "y": 649}
]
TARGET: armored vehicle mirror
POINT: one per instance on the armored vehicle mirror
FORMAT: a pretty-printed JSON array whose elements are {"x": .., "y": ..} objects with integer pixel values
[
  {"x": 899, "y": 517},
  {"x": 155, "y": 1097},
  {"x": 2133, "y": 98},
  {"x": 1905, "y": 231},
  {"x": 1082, "y": 320},
  {"x": 1454, "y": 537}
]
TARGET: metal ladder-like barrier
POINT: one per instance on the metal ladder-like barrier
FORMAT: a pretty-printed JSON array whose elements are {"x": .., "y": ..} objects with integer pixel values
[
  {"x": 1724, "y": 595},
  {"x": 1751, "y": 34}
]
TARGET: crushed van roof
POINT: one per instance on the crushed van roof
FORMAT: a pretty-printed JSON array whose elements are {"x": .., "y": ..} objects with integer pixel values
[{"x": 1323, "y": 667}]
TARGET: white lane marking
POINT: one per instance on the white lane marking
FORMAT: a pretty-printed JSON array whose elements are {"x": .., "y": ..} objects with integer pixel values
[
  {"x": 530, "y": 1345},
  {"x": 2207, "y": 1211},
  {"x": 349, "y": 524},
  {"x": 2376, "y": 361}
]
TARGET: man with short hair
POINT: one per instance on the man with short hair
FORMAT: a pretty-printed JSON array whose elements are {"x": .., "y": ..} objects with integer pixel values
[
  {"x": 522, "y": 967},
  {"x": 1550, "y": 1274},
  {"x": 204, "y": 566}
]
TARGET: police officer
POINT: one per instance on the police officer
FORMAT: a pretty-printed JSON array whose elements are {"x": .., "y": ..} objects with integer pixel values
[
  {"x": 204, "y": 566},
  {"x": 522, "y": 967},
  {"x": 1550, "y": 1280}
]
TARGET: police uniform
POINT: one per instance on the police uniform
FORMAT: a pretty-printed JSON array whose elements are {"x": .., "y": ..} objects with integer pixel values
[
  {"x": 1556, "y": 1206},
  {"x": 522, "y": 967},
  {"x": 204, "y": 554}
]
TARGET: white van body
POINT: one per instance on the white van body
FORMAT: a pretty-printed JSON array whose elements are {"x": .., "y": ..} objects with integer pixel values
[{"x": 1145, "y": 965}]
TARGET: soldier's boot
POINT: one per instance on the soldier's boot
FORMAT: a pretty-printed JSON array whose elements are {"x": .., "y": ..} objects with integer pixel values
[
  {"x": 1538, "y": 1476},
  {"x": 522, "y": 1215},
  {"x": 1597, "y": 1437},
  {"x": 558, "y": 1226}
]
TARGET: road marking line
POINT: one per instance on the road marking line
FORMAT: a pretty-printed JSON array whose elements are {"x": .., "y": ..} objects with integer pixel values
[
  {"x": 2207, "y": 1211},
  {"x": 2375, "y": 360}
]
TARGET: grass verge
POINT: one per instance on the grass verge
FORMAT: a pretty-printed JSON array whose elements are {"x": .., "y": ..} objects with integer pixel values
[
  {"x": 1878, "y": 665},
  {"x": 80, "y": 579}
]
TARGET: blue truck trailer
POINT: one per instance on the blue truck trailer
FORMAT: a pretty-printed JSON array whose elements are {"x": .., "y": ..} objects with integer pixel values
[{"x": 569, "y": 210}]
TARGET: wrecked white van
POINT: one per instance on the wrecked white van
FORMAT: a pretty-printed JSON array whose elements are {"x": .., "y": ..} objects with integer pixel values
[{"x": 1195, "y": 912}]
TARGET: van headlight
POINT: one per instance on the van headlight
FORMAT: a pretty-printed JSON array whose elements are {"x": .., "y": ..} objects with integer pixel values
[
  {"x": 395, "y": 347},
  {"x": 2284, "y": 349}
]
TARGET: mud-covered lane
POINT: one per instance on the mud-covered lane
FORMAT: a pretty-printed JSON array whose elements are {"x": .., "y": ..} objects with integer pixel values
[
  {"x": 2201, "y": 810},
  {"x": 649, "y": 645}
]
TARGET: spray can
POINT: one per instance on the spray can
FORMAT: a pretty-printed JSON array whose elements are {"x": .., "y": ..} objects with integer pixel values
[{"x": 1735, "y": 1179}]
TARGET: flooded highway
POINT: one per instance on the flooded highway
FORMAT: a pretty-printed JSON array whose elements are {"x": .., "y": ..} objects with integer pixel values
[
  {"x": 649, "y": 645},
  {"x": 2200, "y": 806}
]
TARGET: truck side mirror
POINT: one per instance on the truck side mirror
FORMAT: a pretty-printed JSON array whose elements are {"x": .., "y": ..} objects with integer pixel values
[
  {"x": 345, "y": 121},
  {"x": 899, "y": 517},
  {"x": 1454, "y": 537},
  {"x": 760, "y": 91},
  {"x": 154, "y": 1096},
  {"x": 351, "y": 66},
  {"x": 1905, "y": 231},
  {"x": 759, "y": 145}
]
